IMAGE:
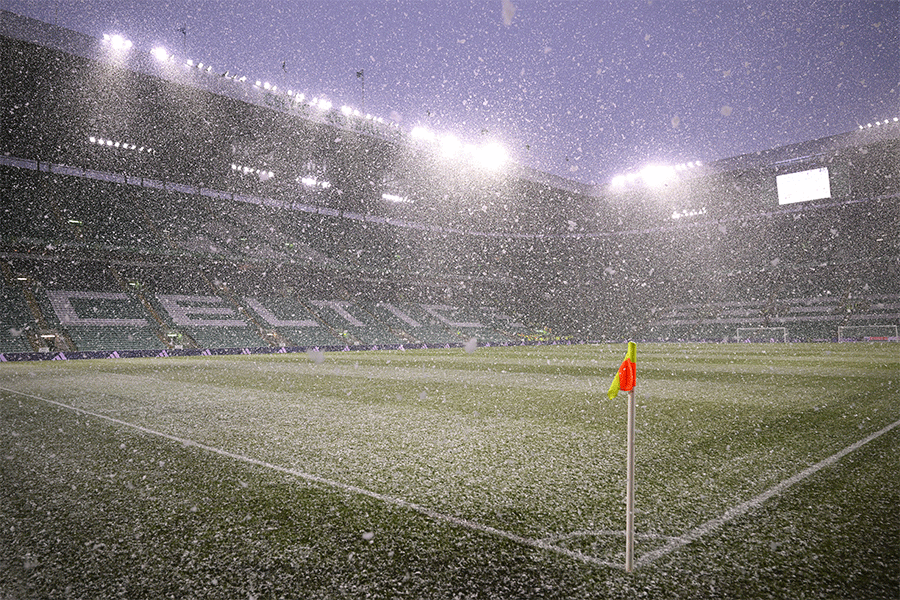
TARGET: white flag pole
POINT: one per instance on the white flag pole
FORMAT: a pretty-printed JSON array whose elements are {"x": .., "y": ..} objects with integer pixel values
[{"x": 629, "y": 489}]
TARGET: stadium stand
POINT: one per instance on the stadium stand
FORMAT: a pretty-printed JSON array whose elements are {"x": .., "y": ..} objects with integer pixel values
[
  {"x": 17, "y": 320},
  {"x": 289, "y": 322},
  {"x": 26, "y": 217},
  {"x": 179, "y": 216}
]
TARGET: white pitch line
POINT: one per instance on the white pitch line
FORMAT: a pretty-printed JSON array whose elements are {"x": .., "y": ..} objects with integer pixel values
[
  {"x": 424, "y": 510},
  {"x": 754, "y": 502}
]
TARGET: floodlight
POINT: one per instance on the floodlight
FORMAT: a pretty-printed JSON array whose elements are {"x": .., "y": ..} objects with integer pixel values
[
  {"x": 308, "y": 181},
  {"x": 657, "y": 175},
  {"x": 267, "y": 85},
  {"x": 117, "y": 42},
  {"x": 450, "y": 145},
  {"x": 346, "y": 110},
  {"x": 160, "y": 54},
  {"x": 492, "y": 155},
  {"x": 618, "y": 181},
  {"x": 393, "y": 198},
  {"x": 421, "y": 133},
  {"x": 324, "y": 104}
]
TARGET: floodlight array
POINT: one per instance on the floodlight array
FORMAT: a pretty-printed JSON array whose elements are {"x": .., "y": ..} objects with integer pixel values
[
  {"x": 489, "y": 156},
  {"x": 394, "y": 198},
  {"x": 688, "y": 165},
  {"x": 688, "y": 213},
  {"x": 162, "y": 55},
  {"x": 880, "y": 123},
  {"x": 109, "y": 143},
  {"x": 312, "y": 182},
  {"x": 320, "y": 103},
  {"x": 117, "y": 42},
  {"x": 653, "y": 175},
  {"x": 244, "y": 170}
]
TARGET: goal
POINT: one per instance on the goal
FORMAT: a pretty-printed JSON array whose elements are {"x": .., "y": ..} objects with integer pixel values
[
  {"x": 867, "y": 333},
  {"x": 758, "y": 335}
]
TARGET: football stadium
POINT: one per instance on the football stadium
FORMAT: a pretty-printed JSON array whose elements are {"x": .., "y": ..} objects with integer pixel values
[{"x": 254, "y": 345}]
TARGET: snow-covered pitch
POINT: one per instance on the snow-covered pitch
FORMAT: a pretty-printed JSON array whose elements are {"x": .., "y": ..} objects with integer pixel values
[{"x": 453, "y": 473}]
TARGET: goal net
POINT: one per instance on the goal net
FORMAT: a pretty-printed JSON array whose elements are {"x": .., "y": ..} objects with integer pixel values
[
  {"x": 758, "y": 335},
  {"x": 867, "y": 333}
]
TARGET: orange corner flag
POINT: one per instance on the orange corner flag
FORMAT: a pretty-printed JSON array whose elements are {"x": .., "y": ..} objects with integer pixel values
[{"x": 626, "y": 378}]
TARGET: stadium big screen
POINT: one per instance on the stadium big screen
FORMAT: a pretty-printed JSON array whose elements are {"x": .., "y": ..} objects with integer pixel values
[{"x": 153, "y": 202}]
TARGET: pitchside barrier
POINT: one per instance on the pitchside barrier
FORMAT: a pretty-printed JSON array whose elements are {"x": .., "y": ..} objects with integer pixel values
[
  {"x": 79, "y": 355},
  {"x": 768, "y": 337}
]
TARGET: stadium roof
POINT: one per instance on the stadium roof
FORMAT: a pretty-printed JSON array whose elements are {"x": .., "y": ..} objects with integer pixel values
[
  {"x": 155, "y": 61},
  {"x": 579, "y": 89}
]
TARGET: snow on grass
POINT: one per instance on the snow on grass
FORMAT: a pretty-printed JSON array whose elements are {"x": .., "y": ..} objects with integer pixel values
[{"x": 520, "y": 439}]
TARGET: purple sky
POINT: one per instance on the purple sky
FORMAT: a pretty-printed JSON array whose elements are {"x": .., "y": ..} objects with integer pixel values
[{"x": 584, "y": 90}]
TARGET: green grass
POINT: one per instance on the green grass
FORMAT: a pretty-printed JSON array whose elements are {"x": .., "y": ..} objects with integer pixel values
[{"x": 445, "y": 474}]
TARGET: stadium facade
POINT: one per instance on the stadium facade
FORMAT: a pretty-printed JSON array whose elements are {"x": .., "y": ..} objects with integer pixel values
[{"x": 150, "y": 204}]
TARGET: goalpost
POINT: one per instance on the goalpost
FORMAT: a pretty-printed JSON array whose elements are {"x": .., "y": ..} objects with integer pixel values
[
  {"x": 758, "y": 335},
  {"x": 867, "y": 333}
]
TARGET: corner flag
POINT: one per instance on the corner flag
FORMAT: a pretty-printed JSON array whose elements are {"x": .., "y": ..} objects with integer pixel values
[{"x": 626, "y": 378}]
